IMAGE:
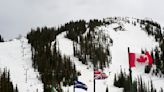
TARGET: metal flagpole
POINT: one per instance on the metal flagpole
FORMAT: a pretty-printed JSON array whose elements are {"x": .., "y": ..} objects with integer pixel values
[
  {"x": 74, "y": 87},
  {"x": 130, "y": 72},
  {"x": 74, "y": 78},
  {"x": 94, "y": 85},
  {"x": 52, "y": 89},
  {"x": 94, "y": 82}
]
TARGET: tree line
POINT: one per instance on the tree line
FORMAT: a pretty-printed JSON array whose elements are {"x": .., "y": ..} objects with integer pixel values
[
  {"x": 87, "y": 42},
  {"x": 154, "y": 29},
  {"x": 54, "y": 68},
  {"x": 1, "y": 39},
  {"x": 6, "y": 84},
  {"x": 122, "y": 80}
]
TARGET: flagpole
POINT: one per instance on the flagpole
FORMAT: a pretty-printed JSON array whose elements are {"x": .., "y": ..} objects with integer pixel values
[
  {"x": 94, "y": 82},
  {"x": 94, "y": 85},
  {"x": 74, "y": 87},
  {"x": 74, "y": 82},
  {"x": 130, "y": 72},
  {"x": 52, "y": 90}
]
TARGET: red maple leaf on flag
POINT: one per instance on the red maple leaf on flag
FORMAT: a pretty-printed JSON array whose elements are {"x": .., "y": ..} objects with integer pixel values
[{"x": 142, "y": 58}]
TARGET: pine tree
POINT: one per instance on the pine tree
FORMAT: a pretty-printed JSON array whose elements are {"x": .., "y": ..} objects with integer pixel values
[
  {"x": 115, "y": 80},
  {"x": 152, "y": 55},
  {"x": 5, "y": 82},
  {"x": 157, "y": 59},
  {"x": 106, "y": 89},
  {"x": 147, "y": 68},
  {"x": 1, "y": 39},
  {"x": 161, "y": 90},
  {"x": 134, "y": 87},
  {"x": 16, "y": 89}
]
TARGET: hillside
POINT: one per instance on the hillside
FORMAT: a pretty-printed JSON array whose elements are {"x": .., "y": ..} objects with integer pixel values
[
  {"x": 133, "y": 37},
  {"x": 16, "y": 55}
]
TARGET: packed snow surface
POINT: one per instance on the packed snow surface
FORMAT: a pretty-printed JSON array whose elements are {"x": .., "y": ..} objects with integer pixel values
[{"x": 16, "y": 57}]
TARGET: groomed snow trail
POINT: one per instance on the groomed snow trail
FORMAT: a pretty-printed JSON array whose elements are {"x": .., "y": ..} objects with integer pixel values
[{"x": 15, "y": 55}]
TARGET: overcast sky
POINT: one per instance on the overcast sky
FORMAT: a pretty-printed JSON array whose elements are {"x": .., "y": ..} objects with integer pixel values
[{"x": 19, "y": 16}]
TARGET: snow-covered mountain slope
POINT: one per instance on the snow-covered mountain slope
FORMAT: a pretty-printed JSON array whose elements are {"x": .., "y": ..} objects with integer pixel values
[
  {"x": 16, "y": 57},
  {"x": 133, "y": 37},
  {"x": 136, "y": 39},
  {"x": 66, "y": 48}
]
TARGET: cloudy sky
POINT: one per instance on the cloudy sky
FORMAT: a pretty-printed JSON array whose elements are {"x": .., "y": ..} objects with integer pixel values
[{"x": 19, "y": 16}]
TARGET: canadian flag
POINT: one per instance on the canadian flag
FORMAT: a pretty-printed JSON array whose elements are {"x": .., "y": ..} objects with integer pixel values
[
  {"x": 98, "y": 74},
  {"x": 141, "y": 58}
]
